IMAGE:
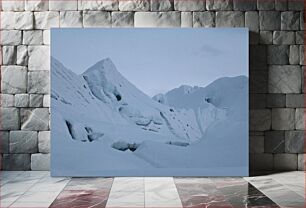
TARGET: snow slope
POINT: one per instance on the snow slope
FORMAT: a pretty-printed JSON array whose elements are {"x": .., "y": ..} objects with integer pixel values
[{"x": 103, "y": 125}]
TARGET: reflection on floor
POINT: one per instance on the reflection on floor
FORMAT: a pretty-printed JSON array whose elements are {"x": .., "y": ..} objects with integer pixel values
[{"x": 38, "y": 189}]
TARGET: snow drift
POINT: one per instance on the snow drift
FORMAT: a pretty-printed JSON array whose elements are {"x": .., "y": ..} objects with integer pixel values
[{"x": 102, "y": 125}]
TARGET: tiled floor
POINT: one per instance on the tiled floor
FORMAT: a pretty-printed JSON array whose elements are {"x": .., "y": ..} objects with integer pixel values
[{"x": 38, "y": 190}]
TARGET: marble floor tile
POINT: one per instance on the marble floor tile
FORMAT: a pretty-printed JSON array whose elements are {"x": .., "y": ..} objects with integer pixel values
[
  {"x": 200, "y": 195},
  {"x": 128, "y": 184},
  {"x": 295, "y": 181},
  {"x": 38, "y": 196},
  {"x": 277, "y": 192},
  {"x": 81, "y": 199},
  {"x": 6, "y": 176},
  {"x": 153, "y": 184},
  {"x": 126, "y": 200},
  {"x": 89, "y": 184},
  {"x": 163, "y": 198}
]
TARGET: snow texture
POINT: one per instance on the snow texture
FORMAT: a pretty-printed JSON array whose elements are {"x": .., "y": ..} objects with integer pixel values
[{"x": 102, "y": 125}]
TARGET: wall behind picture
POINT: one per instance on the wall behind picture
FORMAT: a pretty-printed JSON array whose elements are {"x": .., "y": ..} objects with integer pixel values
[{"x": 276, "y": 68}]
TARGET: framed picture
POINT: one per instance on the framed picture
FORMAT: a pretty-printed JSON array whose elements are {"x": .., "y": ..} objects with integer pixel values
[{"x": 149, "y": 102}]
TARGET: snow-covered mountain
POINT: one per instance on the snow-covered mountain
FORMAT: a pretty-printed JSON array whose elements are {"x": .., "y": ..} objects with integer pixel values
[
  {"x": 101, "y": 114},
  {"x": 220, "y": 100}
]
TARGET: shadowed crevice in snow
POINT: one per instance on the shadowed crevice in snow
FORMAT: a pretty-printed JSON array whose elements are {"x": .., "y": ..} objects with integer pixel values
[
  {"x": 176, "y": 143},
  {"x": 123, "y": 146},
  {"x": 69, "y": 126}
]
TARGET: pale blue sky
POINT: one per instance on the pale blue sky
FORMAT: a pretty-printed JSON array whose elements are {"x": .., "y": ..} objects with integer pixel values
[{"x": 156, "y": 60}]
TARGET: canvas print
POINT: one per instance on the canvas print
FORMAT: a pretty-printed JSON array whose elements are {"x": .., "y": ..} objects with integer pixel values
[{"x": 149, "y": 102}]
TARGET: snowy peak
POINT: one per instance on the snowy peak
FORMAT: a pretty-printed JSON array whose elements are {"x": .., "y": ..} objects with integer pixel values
[{"x": 105, "y": 65}]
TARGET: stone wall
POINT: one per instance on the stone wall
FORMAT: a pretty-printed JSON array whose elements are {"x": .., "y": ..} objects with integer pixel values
[{"x": 276, "y": 68}]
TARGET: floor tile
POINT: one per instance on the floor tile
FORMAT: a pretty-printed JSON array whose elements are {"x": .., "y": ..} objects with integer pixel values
[
  {"x": 125, "y": 199},
  {"x": 89, "y": 184},
  {"x": 277, "y": 192},
  {"x": 163, "y": 198},
  {"x": 128, "y": 184},
  {"x": 81, "y": 199}
]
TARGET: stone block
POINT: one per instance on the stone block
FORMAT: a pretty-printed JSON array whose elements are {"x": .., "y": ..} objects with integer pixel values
[
  {"x": 7, "y": 100},
  {"x": 134, "y": 5},
  {"x": 13, "y": 79},
  {"x": 122, "y": 19},
  {"x": 283, "y": 118},
  {"x": 186, "y": 19},
  {"x": 302, "y": 55},
  {"x": 36, "y": 100},
  {"x": 260, "y": 120},
  {"x": 46, "y": 20},
  {"x": 46, "y": 37},
  {"x": 216, "y": 5},
  {"x": 256, "y": 144},
  {"x": 7, "y": 20},
  {"x": 296, "y": 5},
  {"x": 63, "y": 5},
  {"x": 97, "y": 19},
  {"x": 295, "y": 100},
  {"x": 303, "y": 79},
  {"x": 278, "y": 54},
  {"x": 36, "y": 119},
  {"x": 24, "y": 20},
  {"x": 46, "y": 101},
  {"x": 40, "y": 162},
  {"x": 229, "y": 19},
  {"x": 4, "y": 141},
  {"x": 290, "y": 20},
  {"x": 10, "y": 119},
  {"x": 269, "y": 20},
  {"x": 13, "y": 5},
  {"x": 185, "y": 6},
  {"x": 300, "y": 119},
  {"x": 301, "y": 162},
  {"x": 281, "y": 5},
  {"x": 9, "y": 55},
  {"x": 302, "y": 20},
  {"x": 39, "y": 58},
  {"x": 257, "y": 101},
  {"x": 252, "y": 21},
  {"x": 299, "y": 37},
  {"x": 33, "y": 37},
  {"x": 276, "y": 100},
  {"x": 294, "y": 54},
  {"x": 11, "y": 37},
  {"x": 22, "y": 55},
  {"x": 44, "y": 141},
  {"x": 265, "y": 5},
  {"x": 295, "y": 142},
  {"x": 261, "y": 162},
  {"x": 162, "y": 5},
  {"x": 23, "y": 142},
  {"x": 16, "y": 162},
  {"x": 258, "y": 56},
  {"x": 37, "y": 5},
  {"x": 285, "y": 162},
  {"x": 71, "y": 19},
  {"x": 245, "y": 5},
  {"x": 258, "y": 82},
  {"x": 285, "y": 79},
  {"x": 38, "y": 82},
  {"x": 283, "y": 37},
  {"x": 157, "y": 19},
  {"x": 22, "y": 100},
  {"x": 99, "y": 5},
  {"x": 203, "y": 19},
  {"x": 274, "y": 142}
]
